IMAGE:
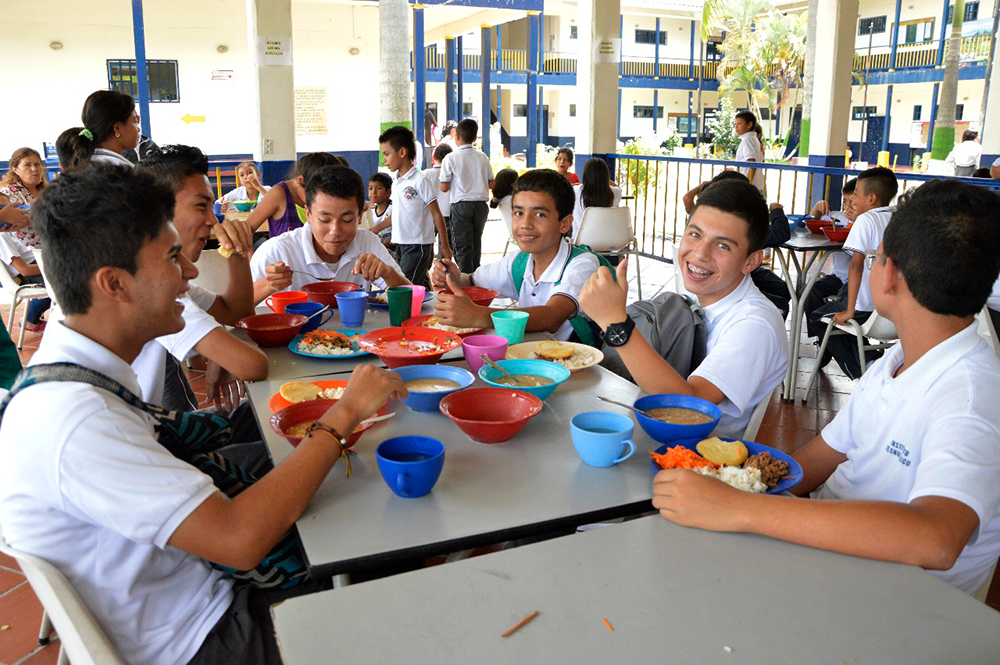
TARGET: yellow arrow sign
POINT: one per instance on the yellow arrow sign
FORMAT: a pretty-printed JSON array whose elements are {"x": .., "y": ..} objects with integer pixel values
[{"x": 188, "y": 118}]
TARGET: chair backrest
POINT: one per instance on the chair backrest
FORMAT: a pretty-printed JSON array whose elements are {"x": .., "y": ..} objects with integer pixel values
[
  {"x": 40, "y": 262},
  {"x": 80, "y": 634},
  {"x": 756, "y": 418},
  {"x": 880, "y": 328},
  {"x": 605, "y": 229},
  {"x": 988, "y": 321},
  {"x": 7, "y": 281},
  {"x": 507, "y": 216}
]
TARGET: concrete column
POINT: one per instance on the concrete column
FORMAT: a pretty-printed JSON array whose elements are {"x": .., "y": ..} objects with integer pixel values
[
  {"x": 990, "y": 131},
  {"x": 532, "y": 110},
  {"x": 459, "y": 79},
  {"x": 419, "y": 77},
  {"x": 895, "y": 41},
  {"x": 656, "y": 103},
  {"x": 933, "y": 121},
  {"x": 943, "y": 38},
  {"x": 485, "y": 69},
  {"x": 394, "y": 65},
  {"x": 888, "y": 118},
  {"x": 449, "y": 79},
  {"x": 142, "y": 80},
  {"x": 598, "y": 21},
  {"x": 274, "y": 98}
]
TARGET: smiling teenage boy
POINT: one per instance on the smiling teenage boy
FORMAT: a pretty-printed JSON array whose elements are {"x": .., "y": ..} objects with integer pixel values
[
  {"x": 908, "y": 470},
  {"x": 747, "y": 348},
  {"x": 553, "y": 273}
]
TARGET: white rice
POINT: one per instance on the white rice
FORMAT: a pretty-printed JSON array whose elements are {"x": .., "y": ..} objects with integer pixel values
[
  {"x": 325, "y": 350},
  {"x": 437, "y": 325},
  {"x": 331, "y": 393},
  {"x": 747, "y": 480},
  {"x": 581, "y": 358}
]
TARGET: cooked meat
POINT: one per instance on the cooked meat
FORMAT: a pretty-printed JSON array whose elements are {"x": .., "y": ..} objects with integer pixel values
[{"x": 771, "y": 470}]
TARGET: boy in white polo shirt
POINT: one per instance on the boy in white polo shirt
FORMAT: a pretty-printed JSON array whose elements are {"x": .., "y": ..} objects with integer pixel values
[
  {"x": 415, "y": 212},
  {"x": 330, "y": 245},
  {"x": 468, "y": 177},
  {"x": 747, "y": 347},
  {"x": 908, "y": 471}
]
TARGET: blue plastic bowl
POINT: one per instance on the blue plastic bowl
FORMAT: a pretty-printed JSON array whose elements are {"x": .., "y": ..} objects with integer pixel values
[
  {"x": 244, "y": 206},
  {"x": 550, "y": 370},
  {"x": 424, "y": 401},
  {"x": 797, "y": 221},
  {"x": 670, "y": 432}
]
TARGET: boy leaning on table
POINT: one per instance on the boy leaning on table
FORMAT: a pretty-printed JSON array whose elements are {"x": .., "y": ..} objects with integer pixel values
[
  {"x": 908, "y": 470},
  {"x": 747, "y": 347},
  {"x": 88, "y": 487}
]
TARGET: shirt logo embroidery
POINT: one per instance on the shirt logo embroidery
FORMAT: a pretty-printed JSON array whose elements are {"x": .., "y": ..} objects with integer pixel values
[
  {"x": 409, "y": 193},
  {"x": 900, "y": 452}
]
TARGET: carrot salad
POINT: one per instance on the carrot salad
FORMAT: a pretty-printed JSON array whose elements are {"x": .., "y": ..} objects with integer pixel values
[{"x": 680, "y": 457}]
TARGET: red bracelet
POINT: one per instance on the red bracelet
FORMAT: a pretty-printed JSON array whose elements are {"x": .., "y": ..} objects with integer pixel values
[{"x": 346, "y": 449}]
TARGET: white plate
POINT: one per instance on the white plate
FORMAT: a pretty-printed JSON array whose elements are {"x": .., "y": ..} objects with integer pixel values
[{"x": 526, "y": 350}]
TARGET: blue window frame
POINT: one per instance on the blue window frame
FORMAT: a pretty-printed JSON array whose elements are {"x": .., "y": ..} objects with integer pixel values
[{"x": 161, "y": 76}]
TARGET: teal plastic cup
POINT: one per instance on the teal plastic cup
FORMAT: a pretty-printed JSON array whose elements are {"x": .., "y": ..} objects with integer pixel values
[
  {"x": 510, "y": 324},
  {"x": 400, "y": 304}
]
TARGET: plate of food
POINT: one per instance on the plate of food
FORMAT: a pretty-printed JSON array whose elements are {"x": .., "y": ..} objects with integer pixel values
[
  {"x": 431, "y": 321},
  {"x": 745, "y": 465},
  {"x": 294, "y": 392},
  {"x": 398, "y": 347},
  {"x": 328, "y": 344},
  {"x": 571, "y": 355},
  {"x": 380, "y": 299}
]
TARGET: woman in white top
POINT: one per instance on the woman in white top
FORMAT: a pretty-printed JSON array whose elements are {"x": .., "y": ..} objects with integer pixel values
[
  {"x": 110, "y": 127},
  {"x": 250, "y": 188},
  {"x": 750, "y": 149},
  {"x": 596, "y": 190},
  {"x": 966, "y": 155}
]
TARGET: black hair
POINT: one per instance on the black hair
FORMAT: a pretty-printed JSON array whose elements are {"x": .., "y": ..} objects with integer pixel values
[
  {"x": 503, "y": 183},
  {"x": 943, "y": 237},
  {"x": 849, "y": 186},
  {"x": 383, "y": 179},
  {"x": 175, "y": 163},
  {"x": 399, "y": 137},
  {"x": 970, "y": 135},
  {"x": 468, "y": 130},
  {"x": 96, "y": 217},
  {"x": 984, "y": 172},
  {"x": 747, "y": 116},
  {"x": 728, "y": 175},
  {"x": 552, "y": 183},
  {"x": 448, "y": 126},
  {"x": 743, "y": 200},
  {"x": 101, "y": 112},
  {"x": 566, "y": 151},
  {"x": 339, "y": 182},
  {"x": 442, "y": 151},
  {"x": 595, "y": 190},
  {"x": 308, "y": 164},
  {"x": 881, "y": 182}
]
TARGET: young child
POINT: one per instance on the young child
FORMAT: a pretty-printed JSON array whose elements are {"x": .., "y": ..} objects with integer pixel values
[
  {"x": 747, "y": 347},
  {"x": 564, "y": 162},
  {"x": 907, "y": 471},
  {"x": 836, "y": 281},
  {"x": 330, "y": 245},
  {"x": 19, "y": 260},
  {"x": 444, "y": 198},
  {"x": 250, "y": 189},
  {"x": 416, "y": 214},
  {"x": 553, "y": 271},
  {"x": 378, "y": 217},
  {"x": 750, "y": 150},
  {"x": 468, "y": 176},
  {"x": 282, "y": 206}
]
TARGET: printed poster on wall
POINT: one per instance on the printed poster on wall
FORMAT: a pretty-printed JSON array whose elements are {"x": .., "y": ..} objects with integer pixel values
[
  {"x": 608, "y": 50},
  {"x": 274, "y": 51},
  {"x": 310, "y": 111}
]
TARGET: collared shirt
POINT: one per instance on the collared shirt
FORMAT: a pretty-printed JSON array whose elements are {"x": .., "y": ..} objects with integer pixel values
[
  {"x": 993, "y": 302},
  {"x": 934, "y": 430},
  {"x": 578, "y": 207},
  {"x": 296, "y": 250},
  {"x": 841, "y": 259},
  {"x": 966, "y": 153},
  {"x": 747, "y": 354},
  {"x": 86, "y": 487},
  {"x": 11, "y": 247},
  {"x": 866, "y": 236},
  {"x": 498, "y": 276},
  {"x": 412, "y": 223},
  {"x": 444, "y": 198},
  {"x": 103, "y": 156},
  {"x": 750, "y": 148},
  {"x": 469, "y": 172},
  {"x": 240, "y": 194}
]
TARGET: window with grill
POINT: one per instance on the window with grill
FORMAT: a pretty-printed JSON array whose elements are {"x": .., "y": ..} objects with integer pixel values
[
  {"x": 572, "y": 32},
  {"x": 520, "y": 110},
  {"x": 161, "y": 77},
  {"x": 915, "y": 32},
  {"x": 466, "y": 109},
  {"x": 959, "y": 111},
  {"x": 646, "y": 111},
  {"x": 863, "y": 112},
  {"x": 971, "y": 12},
  {"x": 871, "y": 26},
  {"x": 649, "y": 37},
  {"x": 572, "y": 110},
  {"x": 918, "y": 112}
]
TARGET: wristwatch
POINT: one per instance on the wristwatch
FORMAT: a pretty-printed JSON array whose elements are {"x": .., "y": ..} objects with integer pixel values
[{"x": 618, "y": 334}]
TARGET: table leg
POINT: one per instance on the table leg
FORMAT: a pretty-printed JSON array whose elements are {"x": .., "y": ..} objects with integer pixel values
[
  {"x": 799, "y": 301},
  {"x": 788, "y": 389},
  {"x": 458, "y": 556}
]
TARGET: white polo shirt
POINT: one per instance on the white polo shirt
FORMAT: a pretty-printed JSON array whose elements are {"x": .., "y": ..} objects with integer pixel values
[
  {"x": 295, "y": 249},
  {"x": 750, "y": 149},
  {"x": 934, "y": 430},
  {"x": 412, "y": 223},
  {"x": 578, "y": 206},
  {"x": 498, "y": 276},
  {"x": 866, "y": 235},
  {"x": 966, "y": 153},
  {"x": 841, "y": 260},
  {"x": 11, "y": 247},
  {"x": 85, "y": 486},
  {"x": 747, "y": 354},
  {"x": 993, "y": 302},
  {"x": 469, "y": 172},
  {"x": 240, "y": 194},
  {"x": 444, "y": 198}
]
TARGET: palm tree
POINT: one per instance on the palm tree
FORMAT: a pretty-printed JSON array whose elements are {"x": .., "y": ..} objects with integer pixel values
[
  {"x": 807, "y": 85},
  {"x": 783, "y": 51},
  {"x": 944, "y": 128}
]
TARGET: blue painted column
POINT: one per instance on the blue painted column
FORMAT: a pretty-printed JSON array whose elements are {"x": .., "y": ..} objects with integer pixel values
[
  {"x": 895, "y": 42},
  {"x": 141, "y": 77},
  {"x": 930, "y": 126},
  {"x": 541, "y": 114},
  {"x": 656, "y": 107},
  {"x": 690, "y": 114},
  {"x": 656, "y": 53},
  {"x": 484, "y": 68},
  {"x": 499, "y": 66},
  {"x": 941, "y": 41},
  {"x": 459, "y": 75},
  {"x": 619, "y": 130},
  {"x": 532, "y": 110},
  {"x": 888, "y": 118},
  {"x": 449, "y": 78},
  {"x": 541, "y": 40},
  {"x": 419, "y": 73},
  {"x": 691, "y": 66}
]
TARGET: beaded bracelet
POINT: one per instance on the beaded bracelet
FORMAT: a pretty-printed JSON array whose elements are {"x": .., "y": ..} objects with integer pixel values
[{"x": 346, "y": 450}]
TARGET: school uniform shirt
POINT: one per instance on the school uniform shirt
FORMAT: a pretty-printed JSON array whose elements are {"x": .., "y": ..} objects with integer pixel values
[
  {"x": 86, "y": 487},
  {"x": 841, "y": 260},
  {"x": 866, "y": 235},
  {"x": 469, "y": 172},
  {"x": 104, "y": 156},
  {"x": 295, "y": 249},
  {"x": 966, "y": 153},
  {"x": 934, "y": 430},
  {"x": 444, "y": 198},
  {"x": 747, "y": 354},
  {"x": 578, "y": 207},
  {"x": 240, "y": 194},
  {"x": 498, "y": 276},
  {"x": 993, "y": 302},
  {"x": 750, "y": 149},
  {"x": 11, "y": 247},
  {"x": 371, "y": 218},
  {"x": 412, "y": 223}
]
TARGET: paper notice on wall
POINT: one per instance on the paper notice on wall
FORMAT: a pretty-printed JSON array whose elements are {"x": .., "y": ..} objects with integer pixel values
[
  {"x": 274, "y": 51},
  {"x": 222, "y": 75},
  {"x": 310, "y": 111},
  {"x": 608, "y": 50}
]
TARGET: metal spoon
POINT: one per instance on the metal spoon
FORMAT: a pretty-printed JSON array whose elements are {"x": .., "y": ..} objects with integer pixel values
[
  {"x": 627, "y": 406},
  {"x": 318, "y": 312},
  {"x": 489, "y": 361},
  {"x": 318, "y": 279}
]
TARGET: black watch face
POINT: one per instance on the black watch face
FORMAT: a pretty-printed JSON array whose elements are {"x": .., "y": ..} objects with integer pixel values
[{"x": 617, "y": 336}]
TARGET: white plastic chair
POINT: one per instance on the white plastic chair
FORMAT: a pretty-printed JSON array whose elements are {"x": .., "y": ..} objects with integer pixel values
[
  {"x": 876, "y": 327},
  {"x": 609, "y": 231},
  {"x": 39, "y": 261},
  {"x": 757, "y": 417},
  {"x": 508, "y": 220},
  {"x": 83, "y": 639},
  {"x": 19, "y": 293},
  {"x": 987, "y": 322}
]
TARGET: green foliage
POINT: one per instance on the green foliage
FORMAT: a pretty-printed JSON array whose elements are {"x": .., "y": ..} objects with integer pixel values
[
  {"x": 660, "y": 143},
  {"x": 724, "y": 138}
]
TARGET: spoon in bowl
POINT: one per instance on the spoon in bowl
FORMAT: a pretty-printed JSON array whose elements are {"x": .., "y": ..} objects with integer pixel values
[
  {"x": 628, "y": 406},
  {"x": 516, "y": 378}
]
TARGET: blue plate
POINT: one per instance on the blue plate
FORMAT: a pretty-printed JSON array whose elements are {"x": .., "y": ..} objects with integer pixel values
[
  {"x": 293, "y": 346},
  {"x": 793, "y": 478},
  {"x": 429, "y": 295}
]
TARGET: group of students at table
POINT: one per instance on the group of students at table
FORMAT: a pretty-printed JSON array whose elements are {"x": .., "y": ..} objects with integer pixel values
[{"x": 905, "y": 472}]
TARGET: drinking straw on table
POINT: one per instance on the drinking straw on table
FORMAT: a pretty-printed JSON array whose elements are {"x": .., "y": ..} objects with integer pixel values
[
  {"x": 608, "y": 625},
  {"x": 520, "y": 623}
]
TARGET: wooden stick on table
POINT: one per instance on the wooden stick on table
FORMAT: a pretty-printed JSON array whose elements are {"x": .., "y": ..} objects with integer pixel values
[{"x": 520, "y": 623}]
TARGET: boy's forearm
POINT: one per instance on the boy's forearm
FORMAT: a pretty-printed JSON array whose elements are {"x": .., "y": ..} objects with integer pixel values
[
  {"x": 854, "y": 275},
  {"x": 238, "y": 299}
]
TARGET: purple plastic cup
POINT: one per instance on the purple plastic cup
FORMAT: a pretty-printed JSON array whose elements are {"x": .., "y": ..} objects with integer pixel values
[{"x": 494, "y": 346}]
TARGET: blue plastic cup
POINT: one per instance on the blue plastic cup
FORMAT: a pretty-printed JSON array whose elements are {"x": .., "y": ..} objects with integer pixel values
[
  {"x": 602, "y": 438},
  {"x": 308, "y": 309},
  {"x": 352, "y": 306},
  {"x": 410, "y": 465},
  {"x": 510, "y": 324}
]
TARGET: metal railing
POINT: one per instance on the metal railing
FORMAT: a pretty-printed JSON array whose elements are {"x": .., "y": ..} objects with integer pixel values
[{"x": 924, "y": 54}]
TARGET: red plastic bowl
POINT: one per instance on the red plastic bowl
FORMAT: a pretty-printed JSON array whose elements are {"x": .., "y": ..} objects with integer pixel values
[
  {"x": 399, "y": 347},
  {"x": 306, "y": 412},
  {"x": 836, "y": 235},
  {"x": 817, "y": 225},
  {"x": 491, "y": 415},
  {"x": 478, "y": 294},
  {"x": 272, "y": 330},
  {"x": 326, "y": 292},
  {"x": 418, "y": 322}
]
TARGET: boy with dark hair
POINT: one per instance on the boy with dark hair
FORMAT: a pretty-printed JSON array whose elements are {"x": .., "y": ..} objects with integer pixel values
[
  {"x": 87, "y": 486},
  {"x": 378, "y": 218},
  {"x": 908, "y": 471},
  {"x": 330, "y": 245},
  {"x": 415, "y": 210},
  {"x": 747, "y": 347},
  {"x": 467, "y": 176},
  {"x": 545, "y": 277}
]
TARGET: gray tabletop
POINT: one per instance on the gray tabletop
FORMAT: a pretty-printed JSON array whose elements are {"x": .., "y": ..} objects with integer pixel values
[
  {"x": 672, "y": 594},
  {"x": 533, "y": 483},
  {"x": 810, "y": 243}
]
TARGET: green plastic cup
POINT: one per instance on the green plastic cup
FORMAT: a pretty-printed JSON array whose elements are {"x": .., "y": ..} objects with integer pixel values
[
  {"x": 400, "y": 304},
  {"x": 510, "y": 324}
]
